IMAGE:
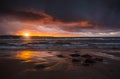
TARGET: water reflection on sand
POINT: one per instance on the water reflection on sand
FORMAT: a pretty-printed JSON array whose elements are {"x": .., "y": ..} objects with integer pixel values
[
  {"x": 47, "y": 60},
  {"x": 31, "y": 56},
  {"x": 59, "y": 60},
  {"x": 60, "y": 64}
]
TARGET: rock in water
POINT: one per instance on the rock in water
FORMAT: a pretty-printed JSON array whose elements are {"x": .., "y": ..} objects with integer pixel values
[
  {"x": 75, "y": 60},
  {"x": 86, "y": 56},
  {"x": 90, "y": 61},
  {"x": 75, "y": 55},
  {"x": 60, "y": 56},
  {"x": 98, "y": 59},
  {"x": 41, "y": 66}
]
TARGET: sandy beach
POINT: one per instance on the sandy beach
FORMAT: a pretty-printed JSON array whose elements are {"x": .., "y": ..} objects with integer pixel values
[{"x": 61, "y": 64}]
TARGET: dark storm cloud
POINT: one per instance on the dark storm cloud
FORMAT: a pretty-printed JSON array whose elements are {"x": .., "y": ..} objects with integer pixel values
[
  {"x": 12, "y": 4},
  {"x": 25, "y": 14},
  {"x": 34, "y": 16},
  {"x": 102, "y": 14}
]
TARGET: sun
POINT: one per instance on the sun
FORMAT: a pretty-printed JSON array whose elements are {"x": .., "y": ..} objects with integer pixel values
[{"x": 26, "y": 34}]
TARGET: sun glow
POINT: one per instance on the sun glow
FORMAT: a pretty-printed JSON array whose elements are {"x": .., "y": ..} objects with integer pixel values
[{"x": 26, "y": 34}]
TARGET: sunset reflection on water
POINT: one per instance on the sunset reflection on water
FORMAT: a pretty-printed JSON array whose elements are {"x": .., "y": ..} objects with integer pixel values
[
  {"x": 25, "y": 55},
  {"x": 32, "y": 56}
]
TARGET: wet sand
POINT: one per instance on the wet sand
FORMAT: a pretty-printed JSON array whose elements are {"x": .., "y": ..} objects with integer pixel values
[{"x": 60, "y": 64}]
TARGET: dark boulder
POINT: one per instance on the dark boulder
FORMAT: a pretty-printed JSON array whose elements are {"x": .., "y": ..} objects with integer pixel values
[
  {"x": 60, "y": 56},
  {"x": 41, "y": 66},
  {"x": 90, "y": 61},
  {"x": 86, "y": 56},
  {"x": 86, "y": 64},
  {"x": 75, "y": 60},
  {"x": 75, "y": 55},
  {"x": 98, "y": 59}
]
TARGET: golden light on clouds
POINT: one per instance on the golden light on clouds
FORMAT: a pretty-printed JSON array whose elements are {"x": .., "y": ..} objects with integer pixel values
[
  {"x": 47, "y": 25},
  {"x": 38, "y": 23},
  {"x": 28, "y": 33}
]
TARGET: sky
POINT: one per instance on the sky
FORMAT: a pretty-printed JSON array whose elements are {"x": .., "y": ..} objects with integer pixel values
[{"x": 68, "y": 18}]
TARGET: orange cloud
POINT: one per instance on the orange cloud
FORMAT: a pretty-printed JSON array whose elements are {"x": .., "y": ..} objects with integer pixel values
[{"x": 38, "y": 23}]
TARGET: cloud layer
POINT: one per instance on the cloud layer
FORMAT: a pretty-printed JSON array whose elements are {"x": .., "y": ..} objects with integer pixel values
[{"x": 61, "y": 18}]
